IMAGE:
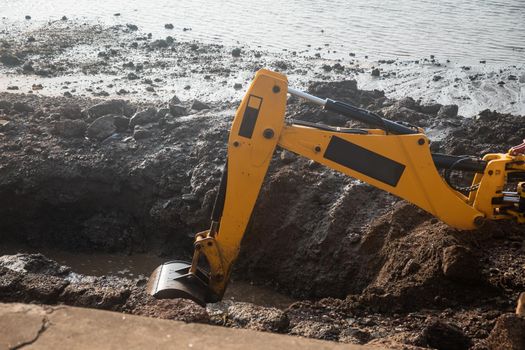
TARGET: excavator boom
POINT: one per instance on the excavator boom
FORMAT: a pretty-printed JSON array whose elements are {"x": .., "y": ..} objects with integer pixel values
[{"x": 393, "y": 157}]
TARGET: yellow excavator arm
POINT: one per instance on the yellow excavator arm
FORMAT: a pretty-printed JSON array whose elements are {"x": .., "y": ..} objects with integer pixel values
[{"x": 393, "y": 157}]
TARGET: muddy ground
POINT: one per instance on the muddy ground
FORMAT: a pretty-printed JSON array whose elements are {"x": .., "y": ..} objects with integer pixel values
[{"x": 130, "y": 176}]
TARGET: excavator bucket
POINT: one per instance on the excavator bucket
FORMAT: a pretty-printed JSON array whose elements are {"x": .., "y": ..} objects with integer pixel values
[{"x": 173, "y": 279}]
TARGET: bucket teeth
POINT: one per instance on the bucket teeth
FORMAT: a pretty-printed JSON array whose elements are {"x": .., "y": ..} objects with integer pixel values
[{"x": 173, "y": 280}]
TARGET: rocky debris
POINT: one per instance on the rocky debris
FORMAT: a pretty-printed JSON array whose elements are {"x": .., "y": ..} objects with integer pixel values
[
  {"x": 70, "y": 128},
  {"x": 168, "y": 26},
  {"x": 375, "y": 72},
  {"x": 246, "y": 315},
  {"x": 102, "y": 127},
  {"x": 445, "y": 336},
  {"x": 199, "y": 106},
  {"x": 508, "y": 333},
  {"x": 170, "y": 309},
  {"x": 146, "y": 116}
]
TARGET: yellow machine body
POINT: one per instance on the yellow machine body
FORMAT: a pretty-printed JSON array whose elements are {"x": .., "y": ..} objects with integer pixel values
[{"x": 399, "y": 164}]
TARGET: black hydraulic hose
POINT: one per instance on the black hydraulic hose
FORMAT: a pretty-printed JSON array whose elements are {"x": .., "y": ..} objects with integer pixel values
[
  {"x": 218, "y": 206},
  {"x": 367, "y": 117}
]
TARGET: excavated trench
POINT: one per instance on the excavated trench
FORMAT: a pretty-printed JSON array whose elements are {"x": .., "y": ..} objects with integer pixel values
[{"x": 315, "y": 235}]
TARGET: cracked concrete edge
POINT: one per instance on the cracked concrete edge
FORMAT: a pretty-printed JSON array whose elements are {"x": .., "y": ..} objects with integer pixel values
[{"x": 25, "y": 326}]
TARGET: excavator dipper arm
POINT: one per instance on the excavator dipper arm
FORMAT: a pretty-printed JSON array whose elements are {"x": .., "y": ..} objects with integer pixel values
[{"x": 394, "y": 158}]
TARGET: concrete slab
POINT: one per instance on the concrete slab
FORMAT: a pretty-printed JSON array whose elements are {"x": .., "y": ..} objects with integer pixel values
[{"x": 64, "y": 327}]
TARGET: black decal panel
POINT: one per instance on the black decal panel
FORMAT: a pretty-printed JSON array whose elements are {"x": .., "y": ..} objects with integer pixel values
[
  {"x": 364, "y": 161},
  {"x": 249, "y": 118}
]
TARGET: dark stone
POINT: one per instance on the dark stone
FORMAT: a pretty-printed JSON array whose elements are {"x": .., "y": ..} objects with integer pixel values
[
  {"x": 237, "y": 86},
  {"x": 71, "y": 111},
  {"x": 460, "y": 264},
  {"x": 508, "y": 333},
  {"x": 199, "y": 106},
  {"x": 102, "y": 128},
  {"x": 445, "y": 336},
  {"x": 22, "y": 107},
  {"x": 121, "y": 122},
  {"x": 236, "y": 52},
  {"x": 118, "y": 107},
  {"x": 132, "y": 27},
  {"x": 10, "y": 60},
  {"x": 448, "y": 111},
  {"x": 437, "y": 78},
  {"x": 28, "y": 67},
  {"x": 144, "y": 117},
  {"x": 168, "y": 26},
  {"x": 375, "y": 72},
  {"x": 141, "y": 133},
  {"x": 70, "y": 128},
  {"x": 5, "y": 105},
  {"x": 430, "y": 108}
]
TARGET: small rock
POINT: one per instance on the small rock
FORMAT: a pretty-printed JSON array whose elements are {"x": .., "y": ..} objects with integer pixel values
[
  {"x": 68, "y": 94},
  {"x": 236, "y": 52},
  {"x": 175, "y": 100},
  {"x": 161, "y": 113},
  {"x": 508, "y": 333},
  {"x": 122, "y": 123},
  {"x": 118, "y": 107},
  {"x": 70, "y": 128},
  {"x": 12, "y": 87},
  {"x": 5, "y": 105},
  {"x": 146, "y": 116},
  {"x": 10, "y": 60},
  {"x": 375, "y": 72},
  {"x": 71, "y": 111},
  {"x": 178, "y": 110},
  {"x": 64, "y": 18},
  {"x": 437, "y": 78},
  {"x": 237, "y": 86},
  {"x": 132, "y": 27},
  {"x": 140, "y": 133},
  {"x": 430, "y": 108},
  {"x": 132, "y": 76},
  {"x": 22, "y": 107},
  {"x": 460, "y": 264},
  {"x": 448, "y": 111},
  {"x": 28, "y": 67},
  {"x": 199, "y": 106},
  {"x": 168, "y": 26},
  {"x": 102, "y": 128},
  {"x": 31, "y": 39},
  {"x": 161, "y": 43},
  {"x": 256, "y": 317},
  {"x": 444, "y": 336},
  {"x": 28, "y": 17}
]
